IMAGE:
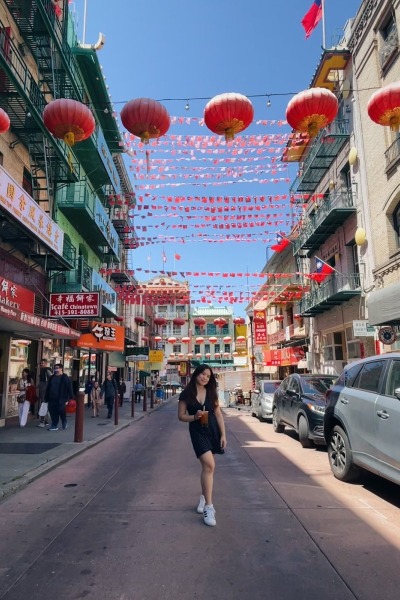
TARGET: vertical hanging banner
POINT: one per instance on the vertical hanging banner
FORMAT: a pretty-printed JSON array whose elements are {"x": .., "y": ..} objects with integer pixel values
[{"x": 260, "y": 327}]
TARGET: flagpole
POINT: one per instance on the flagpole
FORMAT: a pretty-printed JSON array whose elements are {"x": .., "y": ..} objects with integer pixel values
[
  {"x": 323, "y": 25},
  {"x": 84, "y": 21}
]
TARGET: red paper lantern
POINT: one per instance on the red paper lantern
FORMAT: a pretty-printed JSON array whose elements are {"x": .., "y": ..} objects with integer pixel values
[
  {"x": 240, "y": 338},
  {"x": 172, "y": 340},
  {"x": 199, "y": 321},
  {"x": 227, "y": 339},
  {"x": 239, "y": 321},
  {"x": 119, "y": 319},
  {"x": 217, "y": 355},
  {"x": 159, "y": 321},
  {"x": 145, "y": 118},
  {"x": 208, "y": 355},
  {"x": 69, "y": 120},
  {"x": 384, "y": 106},
  {"x": 279, "y": 317},
  {"x": 185, "y": 340},
  {"x": 139, "y": 320},
  {"x": 199, "y": 340},
  {"x": 179, "y": 321},
  {"x": 220, "y": 322},
  {"x": 213, "y": 340},
  {"x": 4, "y": 121},
  {"x": 190, "y": 354},
  {"x": 312, "y": 110},
  {"x": 157, "y": 338},
  {"x": 228, "y": 114},
  {"x": 70, "y": 407},
  {"x": 298, "y": 316}
]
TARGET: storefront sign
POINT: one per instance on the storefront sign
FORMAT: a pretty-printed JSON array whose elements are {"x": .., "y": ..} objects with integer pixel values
[
  {"x": 260, "y": 327},
  {"x": 283, "y": 357},
  {"x": 108, "y": 296},
  {"x": 139, "y": 353},
  {"x": 84, "y": 304},
  {"x": 387, "y": 335},
  {"x": 103, "y": 336},
  {"x": 362, "y": 329},
  {"x": 16, "y": 296},
  {"x": 105, "y": 225},
  {"x": 39, "y": 324},
  {"x": 15, "y": 201},
  {"x": 156, "y": 356}
]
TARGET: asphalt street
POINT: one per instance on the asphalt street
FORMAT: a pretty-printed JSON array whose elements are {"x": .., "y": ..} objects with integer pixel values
[{"x": 118, "y": 522}]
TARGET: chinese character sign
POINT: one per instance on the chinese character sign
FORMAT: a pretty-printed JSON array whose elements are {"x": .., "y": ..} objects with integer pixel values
[
  {"x": 15, "y": 200},
  {"x": 260, "y": 327},
  {"x": 74, "y": 305},
  {"x": 16, "y": 296},
  {"x": 103, "y": 336}
]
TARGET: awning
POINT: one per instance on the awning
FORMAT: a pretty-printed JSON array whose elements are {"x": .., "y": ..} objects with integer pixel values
[
  {"x": 384, "y": 306},
  {"x": 33, "y": 327}
]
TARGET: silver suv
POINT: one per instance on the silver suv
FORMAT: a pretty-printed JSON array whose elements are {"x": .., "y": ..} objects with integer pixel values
[
  {"x": 362, "y": 419},
  {"x": 261, "y": 398}
]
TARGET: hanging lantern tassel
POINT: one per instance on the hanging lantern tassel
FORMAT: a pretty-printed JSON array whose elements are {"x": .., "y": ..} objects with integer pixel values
[
  {"x": 148, "y": 161},
  {"x": 69, "y": 139}
]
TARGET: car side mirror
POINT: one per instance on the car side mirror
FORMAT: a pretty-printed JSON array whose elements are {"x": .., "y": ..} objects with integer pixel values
[
  {"x": 291, "y": 393},
  {"x": 397, "y": 393}
]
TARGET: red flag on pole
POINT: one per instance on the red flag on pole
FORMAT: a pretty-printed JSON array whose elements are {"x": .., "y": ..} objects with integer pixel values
[{"x": 312, "y": 18}]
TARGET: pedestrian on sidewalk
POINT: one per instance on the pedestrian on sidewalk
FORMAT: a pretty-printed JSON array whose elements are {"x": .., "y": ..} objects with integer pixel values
[
  {"x": 138, "y": 391},
  {"x": 44, "y": 376},
  {"x": 95, "y": 398},
  {"x": 109, "y": 392},
  {"x": 58, "y": 393},
  {"x": 88, "y": 389},
  {"x": 121, "y": 391},
  {"x": 197, "y": 400},
  {"x": 24, "y": 405}
]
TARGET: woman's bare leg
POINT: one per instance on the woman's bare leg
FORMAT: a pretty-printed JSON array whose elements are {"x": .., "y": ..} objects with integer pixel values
[{"x": 207, "y": 475}]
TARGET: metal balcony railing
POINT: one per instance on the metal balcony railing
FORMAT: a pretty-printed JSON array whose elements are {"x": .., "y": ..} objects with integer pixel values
[
  {"x": 392, "y": 154},
  {"x": 336, "y": 289},
  {"x": 77, "y": 280},
  {"x": 336, "y": 200}
]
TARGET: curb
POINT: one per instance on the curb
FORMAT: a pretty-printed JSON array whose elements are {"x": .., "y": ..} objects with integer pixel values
[{"x": 8, "y": 489}]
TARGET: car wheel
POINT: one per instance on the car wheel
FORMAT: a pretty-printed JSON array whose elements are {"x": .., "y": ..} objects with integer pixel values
[
  {"x": 276, "y": 424},
  {"x": 341, "y": 456},
  {"x": 304, "y": 433}
]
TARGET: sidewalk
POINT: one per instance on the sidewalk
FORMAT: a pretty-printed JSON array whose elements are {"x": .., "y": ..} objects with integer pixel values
[{"x": 27, "y": 452}]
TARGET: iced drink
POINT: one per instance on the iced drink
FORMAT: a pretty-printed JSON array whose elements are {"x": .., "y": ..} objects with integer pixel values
[{"x": 204, "y": 418}]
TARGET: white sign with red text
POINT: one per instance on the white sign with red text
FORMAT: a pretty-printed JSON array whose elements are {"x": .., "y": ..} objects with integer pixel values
[{"x": 81, "y": 304}]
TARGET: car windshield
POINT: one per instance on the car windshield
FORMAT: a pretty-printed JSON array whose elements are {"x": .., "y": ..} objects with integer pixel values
[
  {"x": 317, "y": 385},
  {"x": 269, "y": 387}
]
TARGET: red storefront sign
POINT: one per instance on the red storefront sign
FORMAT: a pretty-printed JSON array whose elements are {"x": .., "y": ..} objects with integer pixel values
[
  {"x": 283, "y": 357},
  {"x": 15, "y": 296},
  {"x": 38, "y": 324},
  {"x": 260, "y": 327},
  {"x": 82, "y": 304}
]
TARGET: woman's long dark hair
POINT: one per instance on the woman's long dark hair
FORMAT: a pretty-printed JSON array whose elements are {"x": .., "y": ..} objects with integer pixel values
[{"x": 211, "y": 387}]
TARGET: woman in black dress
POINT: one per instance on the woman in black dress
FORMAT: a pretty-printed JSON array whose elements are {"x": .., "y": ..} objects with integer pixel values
[{"x": 201, "y": 395}]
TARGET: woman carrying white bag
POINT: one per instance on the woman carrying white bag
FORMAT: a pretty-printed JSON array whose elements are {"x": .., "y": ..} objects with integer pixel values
[{"x": 23, "y": 404}]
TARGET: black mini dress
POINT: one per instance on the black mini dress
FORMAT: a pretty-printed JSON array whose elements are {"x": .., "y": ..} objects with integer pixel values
[{"x": 204, "y": 439}]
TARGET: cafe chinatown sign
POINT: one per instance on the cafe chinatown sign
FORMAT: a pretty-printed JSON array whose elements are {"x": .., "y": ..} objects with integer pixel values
[{"x": 82, "y": 304}]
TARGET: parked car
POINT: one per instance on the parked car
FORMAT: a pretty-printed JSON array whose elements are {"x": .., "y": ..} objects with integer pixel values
[
  {"x": 261, "y": 398},
  {"x": 362, "y": 419},
  {"x": 300, "y": 403}
]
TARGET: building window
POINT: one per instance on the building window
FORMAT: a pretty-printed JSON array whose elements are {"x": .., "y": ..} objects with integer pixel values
[
  {"x": 353, "y": 345},
  {"x": 396, "y": 224},
  {"x": 333, "y": 346},
  {"x": 177, "y": 348},
  {"x": 345, "y": 177},
  {"x": 207, "y": 349},
  {"x": 389, "y": 41},
  {"x": 217, "y": 349},
  {"x": 27, "y": 182},
  {"x": 176, "y": 330},
  {"x": 197, "y": 348}
]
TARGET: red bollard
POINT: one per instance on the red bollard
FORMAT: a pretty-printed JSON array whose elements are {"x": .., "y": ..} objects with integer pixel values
[
  {"x": 145, "y": 400},
  {"x": 133, "y": 403},
  {"x": 79, "y": 415},
  {"x": 152, "y": 397},
  {"x": 116, "y": 407}
]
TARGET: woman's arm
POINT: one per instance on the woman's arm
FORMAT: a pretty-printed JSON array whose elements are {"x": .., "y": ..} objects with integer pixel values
[
  {"x": 183, "y": 413},
  {"x": 221, "y": 425}
]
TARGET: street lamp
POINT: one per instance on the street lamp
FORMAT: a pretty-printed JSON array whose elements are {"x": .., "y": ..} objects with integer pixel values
[{"x": 250, "y": 314}]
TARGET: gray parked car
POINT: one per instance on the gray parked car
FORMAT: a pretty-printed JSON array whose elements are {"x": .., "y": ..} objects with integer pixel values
[
  {"x": 362, "y": 419},
  {"x": 261, "y": 399}
]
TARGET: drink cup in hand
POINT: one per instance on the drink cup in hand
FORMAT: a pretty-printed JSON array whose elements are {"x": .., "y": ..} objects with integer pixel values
[{"x": 204, "y": 418}]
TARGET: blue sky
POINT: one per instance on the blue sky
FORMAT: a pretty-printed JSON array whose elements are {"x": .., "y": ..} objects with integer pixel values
[{"x": 169, "y": 50}]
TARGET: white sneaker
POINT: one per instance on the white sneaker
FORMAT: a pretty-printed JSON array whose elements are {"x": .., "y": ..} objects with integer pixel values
[
  {"x": 209, "y": 515},
  {"x": 201, "y": 505}
]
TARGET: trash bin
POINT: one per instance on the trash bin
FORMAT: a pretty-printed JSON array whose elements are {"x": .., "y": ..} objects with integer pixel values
[{"x": 159, "y": 394}]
